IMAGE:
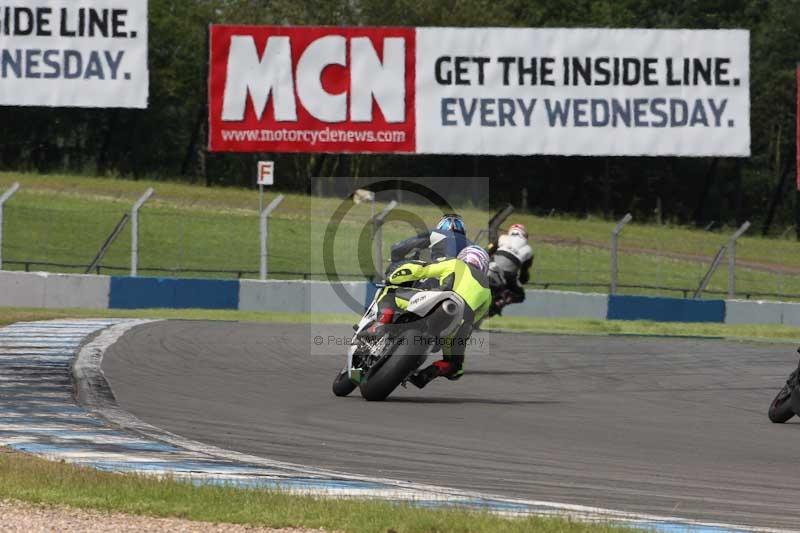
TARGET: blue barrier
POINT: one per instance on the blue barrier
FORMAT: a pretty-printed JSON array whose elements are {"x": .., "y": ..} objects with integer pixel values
[
  {"x": 165, "y": 293},
  {"x": 21, "y": 289},
  {"x": 665, "y": 309}
]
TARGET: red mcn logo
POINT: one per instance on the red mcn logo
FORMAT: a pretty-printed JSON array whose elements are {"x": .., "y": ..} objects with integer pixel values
[{"x": 312, "y": 89}]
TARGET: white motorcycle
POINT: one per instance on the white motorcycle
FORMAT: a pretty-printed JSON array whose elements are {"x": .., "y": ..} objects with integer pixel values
[{"x": 389, "y": 346}]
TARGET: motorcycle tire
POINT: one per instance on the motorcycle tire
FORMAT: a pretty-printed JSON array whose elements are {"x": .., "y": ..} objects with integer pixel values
[
  {"x": 381, "y": 381},
  {"x": 342, "y": 385},
  {"x": 780, "y": 410}
]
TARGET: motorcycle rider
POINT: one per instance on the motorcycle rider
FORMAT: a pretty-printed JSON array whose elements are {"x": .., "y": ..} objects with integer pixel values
[
  {"x": 512, "y": 258},
  {"x": 449, "y": 238},
  {"x": 466, "y": 276}
]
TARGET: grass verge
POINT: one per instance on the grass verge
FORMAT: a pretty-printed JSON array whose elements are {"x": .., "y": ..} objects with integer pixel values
[
  {"x": 565, "y": 326},
  {"x": 743, "y": 332},
  {"x": 34, "y": 480},
  {"x": 9, "y": 315}
]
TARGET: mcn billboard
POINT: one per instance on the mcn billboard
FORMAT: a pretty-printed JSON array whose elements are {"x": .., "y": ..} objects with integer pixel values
[{"x": 479, "y": 91}]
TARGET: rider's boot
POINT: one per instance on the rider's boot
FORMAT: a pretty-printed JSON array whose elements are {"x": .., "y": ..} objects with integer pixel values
[{"x": 442, "y": 368}]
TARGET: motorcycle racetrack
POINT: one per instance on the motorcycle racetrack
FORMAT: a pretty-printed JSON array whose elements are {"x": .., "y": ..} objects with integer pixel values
[{"x": 667, "y": 426}]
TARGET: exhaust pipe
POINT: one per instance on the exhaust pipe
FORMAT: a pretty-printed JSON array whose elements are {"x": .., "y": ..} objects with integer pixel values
[{"x": 450, "y": 307}]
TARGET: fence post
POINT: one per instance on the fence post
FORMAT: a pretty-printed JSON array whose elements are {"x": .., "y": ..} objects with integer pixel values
[
  {"x": 3, "y": 199},
  {"x": 377, "y": 237},
  {"x": 135, "y": 230},
  {"x": 497, "y": 220},
  {"x": 265, "y": 235},
  {"x": 614, "y": 240},
  {"x": 732, "y": 259},
  {"x": 710, "y": 273}
]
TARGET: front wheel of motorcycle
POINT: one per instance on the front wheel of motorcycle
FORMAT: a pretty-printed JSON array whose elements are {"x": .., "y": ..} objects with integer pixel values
[
  {"x": 780, "y": 410},
  {"x": 343, "y": 385},
  {"x": 383, "y": 379}
]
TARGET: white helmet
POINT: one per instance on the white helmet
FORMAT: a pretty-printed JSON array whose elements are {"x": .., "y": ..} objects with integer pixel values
[
  {"x": 475, "y": 256},
  {"x": 518, "y": 229}
]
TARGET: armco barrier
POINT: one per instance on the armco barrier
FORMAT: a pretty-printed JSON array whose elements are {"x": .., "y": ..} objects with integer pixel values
[
  {"x": 665, "y": 309},
  {"x": 272, "y": 296},
  {"x": 302, "y": 296},
  {"x": 757, "y": 312},
  {"x": 556, "y": 304},
  {"x": 153, "y": 293},
  {"x": 45, "y": 290}
]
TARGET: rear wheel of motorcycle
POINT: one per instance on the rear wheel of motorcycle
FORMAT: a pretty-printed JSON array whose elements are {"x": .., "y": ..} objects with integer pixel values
[
  {"x": 342, "y": 385},
  {"x": 381, "y": 381},
  {"x": 780, "y": 410}
]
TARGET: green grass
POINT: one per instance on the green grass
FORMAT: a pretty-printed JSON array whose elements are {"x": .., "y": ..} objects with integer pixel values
[
  {"x": 27, "y": 478},
  {"x": 767, "y": 333},
  {"x": 188, "y": 229},
  {"x": 755, "y": 332},
  {"x": 9, "y": 315}
]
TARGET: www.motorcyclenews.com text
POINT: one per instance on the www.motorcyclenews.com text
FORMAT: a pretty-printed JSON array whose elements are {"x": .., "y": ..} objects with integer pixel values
[
  {"x": 315, "y": 136},
  {"x": 416, "y": 340}
]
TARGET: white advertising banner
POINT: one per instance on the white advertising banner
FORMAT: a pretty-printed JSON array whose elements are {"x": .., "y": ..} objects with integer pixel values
[
  {"x": 582, "y": 91},
  {"x": 63, "y": 53}
]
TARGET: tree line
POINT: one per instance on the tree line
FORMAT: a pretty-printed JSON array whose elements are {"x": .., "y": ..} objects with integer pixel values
[{"x": 167, "y": 141}]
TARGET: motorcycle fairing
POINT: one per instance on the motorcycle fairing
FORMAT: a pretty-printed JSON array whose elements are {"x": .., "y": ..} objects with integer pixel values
[{"x": 424, "y": 302}]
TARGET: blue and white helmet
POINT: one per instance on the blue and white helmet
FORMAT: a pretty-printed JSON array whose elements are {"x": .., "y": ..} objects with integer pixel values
[
  {"x": 452, "y": 222},
  {"x": 475, "y": 256}
]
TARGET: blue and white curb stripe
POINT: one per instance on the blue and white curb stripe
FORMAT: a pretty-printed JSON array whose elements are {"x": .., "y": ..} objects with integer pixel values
[{"x": 40, "y": 415}]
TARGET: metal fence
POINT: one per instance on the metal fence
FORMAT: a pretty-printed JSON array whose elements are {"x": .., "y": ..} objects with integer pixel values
[
  {"x": 585, "y": 265},
  {"x": 73, "y": 235},
  {"x": 78, "y": 235}
]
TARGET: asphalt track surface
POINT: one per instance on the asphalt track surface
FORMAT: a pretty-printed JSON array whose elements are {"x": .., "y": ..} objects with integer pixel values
[{"x": 675, "y": 427}]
